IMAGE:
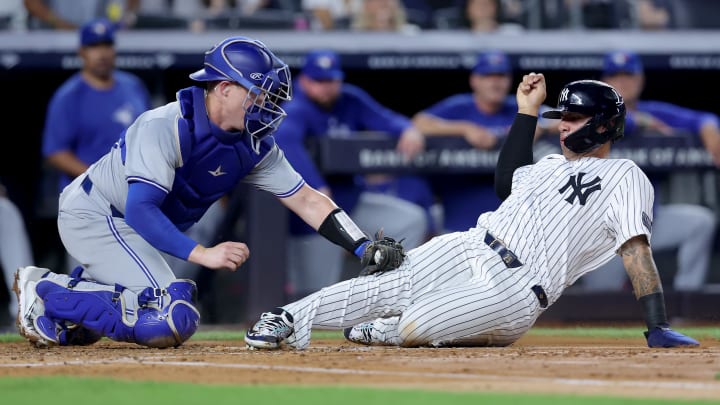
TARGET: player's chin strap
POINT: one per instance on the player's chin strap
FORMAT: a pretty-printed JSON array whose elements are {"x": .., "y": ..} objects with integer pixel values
[{"x": 102, "y": 310}]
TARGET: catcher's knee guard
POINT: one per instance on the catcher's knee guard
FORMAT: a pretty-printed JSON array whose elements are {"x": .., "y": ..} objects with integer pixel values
[
  {"x": 172, "y": 325},
  {"x": 103, "y": 312}
]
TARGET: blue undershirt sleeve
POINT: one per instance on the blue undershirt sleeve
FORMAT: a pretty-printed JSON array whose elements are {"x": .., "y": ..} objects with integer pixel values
[
  {"x": 142, "y": 213},
  {"x": 290, "y": 137}
]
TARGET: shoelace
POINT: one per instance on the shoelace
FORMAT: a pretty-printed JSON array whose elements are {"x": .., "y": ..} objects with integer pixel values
[
  {"x": 270, "y": 323},
  {"x": 366, "y": 330}
]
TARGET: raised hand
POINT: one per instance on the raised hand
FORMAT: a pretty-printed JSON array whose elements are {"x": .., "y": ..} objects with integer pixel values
[{"x": 531, "y": 93}]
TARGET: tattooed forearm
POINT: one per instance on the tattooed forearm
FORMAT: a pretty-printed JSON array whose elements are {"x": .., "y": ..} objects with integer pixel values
[{"x": 640, "y": 266}]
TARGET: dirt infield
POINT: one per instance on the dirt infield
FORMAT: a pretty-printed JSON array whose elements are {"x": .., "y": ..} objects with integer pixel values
[{"x": 533, "y": 364}]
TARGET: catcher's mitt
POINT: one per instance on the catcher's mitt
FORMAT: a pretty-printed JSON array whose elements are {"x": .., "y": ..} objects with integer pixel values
[{"x": 381, "y": 255}]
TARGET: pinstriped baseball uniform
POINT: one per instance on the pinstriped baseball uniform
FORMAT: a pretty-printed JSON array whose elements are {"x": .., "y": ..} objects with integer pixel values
[{"x": 562, "y": 219}]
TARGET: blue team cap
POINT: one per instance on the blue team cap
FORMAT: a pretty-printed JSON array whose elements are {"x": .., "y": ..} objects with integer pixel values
[
  {"x": 323, "y": 64},
  {"x": 492, "y": 62},
  {"x": 622, "y": 62},
  {"x": 98, "y": 31}
]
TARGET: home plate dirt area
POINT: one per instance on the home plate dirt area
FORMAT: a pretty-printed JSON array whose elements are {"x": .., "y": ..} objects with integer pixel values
[{"x": 534, "y": 364}]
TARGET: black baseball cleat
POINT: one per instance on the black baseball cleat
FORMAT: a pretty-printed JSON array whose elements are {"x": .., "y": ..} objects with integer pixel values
[{"x": 269, "y": 332}]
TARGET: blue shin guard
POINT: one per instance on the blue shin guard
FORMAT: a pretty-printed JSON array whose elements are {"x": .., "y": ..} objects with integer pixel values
[{"x": 102, "y": 312}]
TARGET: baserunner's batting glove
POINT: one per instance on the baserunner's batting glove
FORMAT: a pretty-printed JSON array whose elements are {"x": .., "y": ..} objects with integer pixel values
[
  {"x": 663, "y": 336},
  {"x": 381, "y": 255}
]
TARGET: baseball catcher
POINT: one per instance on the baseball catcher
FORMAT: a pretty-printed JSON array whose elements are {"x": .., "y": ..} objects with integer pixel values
[{"x": 381, "y": 255}]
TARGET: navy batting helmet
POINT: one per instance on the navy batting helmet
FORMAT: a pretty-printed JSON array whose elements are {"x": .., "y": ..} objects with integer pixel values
[
  {"x": 252, "y": 65},
  {"x": 600, "y": 101}
]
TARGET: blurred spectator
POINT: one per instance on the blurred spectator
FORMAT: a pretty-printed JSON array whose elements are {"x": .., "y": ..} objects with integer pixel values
[
  {"x": 420, "y": 13},
  {"x": 13, "y": 15},
  {"x": 323, "y": 105},
  {"x": 201, "y": 15},
  {"x": 483, "y": 117},
  {"x": 15, "y": 249},
  {"x": 605, "y": 14},
  {"x": 686, "y": 227},
  {"x": 695, "y": 14},
  {"x": 382, "y": 15},
  {"x": 331, "y": 14},
  {"x": 69, "y": 15},
  {"x": 654, "y": 14},
  {"x": 485, "y": 16},
  {"x": 481, "y": 16},
  {"x": 89, "y": 111}
]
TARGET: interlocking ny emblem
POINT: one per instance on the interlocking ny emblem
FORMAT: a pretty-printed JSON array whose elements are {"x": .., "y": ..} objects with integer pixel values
[
  {"x": 579, "y": 189},
  {"x": 564, "y": 95}
]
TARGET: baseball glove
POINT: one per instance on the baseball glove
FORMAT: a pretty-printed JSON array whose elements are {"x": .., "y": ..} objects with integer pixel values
[{"x": 381, "y": 255}]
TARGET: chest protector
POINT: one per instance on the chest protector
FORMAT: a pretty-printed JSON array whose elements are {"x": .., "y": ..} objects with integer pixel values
[{"x": 214, "y": 161}]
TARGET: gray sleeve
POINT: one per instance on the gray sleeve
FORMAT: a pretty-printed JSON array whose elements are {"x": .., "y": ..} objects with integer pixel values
[
  {"x": 153, "y": 151},
  {"x": 275, "y": 175}
]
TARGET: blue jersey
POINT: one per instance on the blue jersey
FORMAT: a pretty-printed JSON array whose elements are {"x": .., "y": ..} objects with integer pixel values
[
  {"x": 464, "y": 197},
  {"x": 677, "y": 117},
  {"x": 674, "y": 116},
  {"x": 354, "y": 110},
  {"x": 87, "y": 121}
]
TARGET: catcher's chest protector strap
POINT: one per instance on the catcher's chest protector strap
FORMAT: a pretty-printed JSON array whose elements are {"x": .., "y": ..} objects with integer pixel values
[{"x": 339, "y": 229}]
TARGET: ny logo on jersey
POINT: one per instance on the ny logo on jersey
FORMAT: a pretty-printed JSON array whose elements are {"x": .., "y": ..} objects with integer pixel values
[{"x": 579, "y": 189}]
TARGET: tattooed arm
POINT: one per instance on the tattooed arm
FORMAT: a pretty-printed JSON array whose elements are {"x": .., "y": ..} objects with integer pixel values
[{"x": 640, "y": 267}]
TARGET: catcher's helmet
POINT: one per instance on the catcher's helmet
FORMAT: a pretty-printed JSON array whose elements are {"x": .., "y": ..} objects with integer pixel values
[
  {"x": 598, "y": 100},
  {"x": 252, "y": 65}
]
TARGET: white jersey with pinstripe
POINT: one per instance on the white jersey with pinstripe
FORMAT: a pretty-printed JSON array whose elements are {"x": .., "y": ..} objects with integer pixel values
[{"x": 562, "y": 219}]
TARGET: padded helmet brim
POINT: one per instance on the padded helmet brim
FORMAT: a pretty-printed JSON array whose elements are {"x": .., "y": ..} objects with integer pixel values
[
  {"x": 553, "y": 114},
  {"x": 203, "y": 75}
]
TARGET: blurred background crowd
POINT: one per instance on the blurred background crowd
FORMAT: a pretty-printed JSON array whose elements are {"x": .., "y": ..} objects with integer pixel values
[
  {"x": 73, "y": 116},
  {"x": 369, "y": 15}
]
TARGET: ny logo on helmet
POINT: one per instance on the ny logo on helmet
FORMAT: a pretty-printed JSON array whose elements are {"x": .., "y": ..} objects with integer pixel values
[
  {"x": 579, "y": 189},
  {"x": 564, "y": 95}
]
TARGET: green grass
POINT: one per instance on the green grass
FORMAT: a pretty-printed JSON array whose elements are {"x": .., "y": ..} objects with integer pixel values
[
  {"x": 74, "y": 391},
  {"x": 698, "y": 332},
  {"x": 620, "y": 332}
]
